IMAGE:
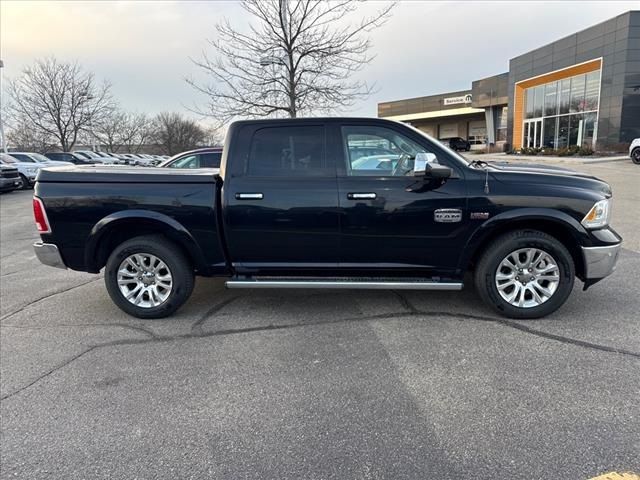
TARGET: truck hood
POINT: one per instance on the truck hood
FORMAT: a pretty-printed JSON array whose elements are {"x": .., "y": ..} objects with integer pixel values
[
  {"x": 547, "y": 174},
  {"x": 537, "y": 168}
]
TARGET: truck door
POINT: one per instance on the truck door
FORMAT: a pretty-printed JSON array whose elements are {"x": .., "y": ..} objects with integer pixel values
[
  {"x": 390, "y": 220},
  {"x": 281, "y": 200}
]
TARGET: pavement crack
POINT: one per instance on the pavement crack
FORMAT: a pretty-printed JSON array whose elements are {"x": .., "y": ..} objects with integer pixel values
[
  {"x": 53, "y": 370},
  {"x": 404, "y": 301},
  {"x": 197, "y": 333},
  {"x": 196, "y": 328},
  {"x": 84, "y": 325},
  {"x": 566, "y": 340},
  {"x": 45, "y": 297}
]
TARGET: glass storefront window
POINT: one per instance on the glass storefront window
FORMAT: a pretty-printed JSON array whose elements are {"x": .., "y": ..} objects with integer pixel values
[
  {"x": 564, "y": 95},
  {"x": 592, "y": 91},
  {"x": 575, "y": 129},
  {"x": 550, "y": 98},
  {"x": 563, "y": 131},
  {"x": 549, "y": 129},
  {"x": 501, "y": 128},
  {"x": 538, "y": 101},
  {"x": 589, "y": 128},
  {"x": 568, "y": 109},
  {"x": 577, "y": 94},
  {"x": 529, "y": 103}
]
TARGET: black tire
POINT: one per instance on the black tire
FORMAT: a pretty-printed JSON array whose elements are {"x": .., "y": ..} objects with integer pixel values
[
  {"x": 177, "y": 263},
  {"x": 635, "y": 156},
  {"x": 25, "y": 182},
  {"x": 487, "y": 267}
]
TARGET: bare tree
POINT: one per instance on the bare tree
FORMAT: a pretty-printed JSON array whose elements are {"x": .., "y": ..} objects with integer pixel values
[
  {"x": 109, "y": 130},
  {"x": 59, "y": 100},
  {"x": 22, "y": 136},
  {"x": 175, "y": 133},
  {"x": 124, "y": 130},
  {"x": 298, "y": 57}
]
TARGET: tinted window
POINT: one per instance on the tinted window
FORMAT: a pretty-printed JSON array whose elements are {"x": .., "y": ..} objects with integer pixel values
[
  {"x": 288, "y": 152},
  {"x": 23, "y": 158},
  {"x": 397, "y": 162},
  {"x": 210, "y": 160}
]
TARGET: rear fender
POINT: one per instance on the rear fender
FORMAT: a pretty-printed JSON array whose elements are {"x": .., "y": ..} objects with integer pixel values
[{"x": 145, "y": 219}]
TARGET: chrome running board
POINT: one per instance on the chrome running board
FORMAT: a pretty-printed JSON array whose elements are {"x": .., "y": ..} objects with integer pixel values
[{"x": 345, "y": 284}]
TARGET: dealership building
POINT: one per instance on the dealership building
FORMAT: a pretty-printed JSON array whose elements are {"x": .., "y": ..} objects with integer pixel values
[{"x": 583, "y": 89}]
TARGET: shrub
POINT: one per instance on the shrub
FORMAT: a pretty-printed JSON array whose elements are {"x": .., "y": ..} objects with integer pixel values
[{"x": 585, "y": 151}]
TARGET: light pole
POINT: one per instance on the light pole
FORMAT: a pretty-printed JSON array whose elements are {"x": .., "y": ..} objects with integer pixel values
[
  {"x": 4, "y": 140},
  {"x": 273, "y": 62},
  {"x": 89, "y": 97}
]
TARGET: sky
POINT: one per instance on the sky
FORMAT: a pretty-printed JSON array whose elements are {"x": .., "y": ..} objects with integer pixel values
[{"x": 144, "y": 47}]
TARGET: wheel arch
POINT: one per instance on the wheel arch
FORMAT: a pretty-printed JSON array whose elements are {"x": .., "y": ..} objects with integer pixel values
[
  {"x": 559, "y": 225},
  {"x": 121, "y": 226}
]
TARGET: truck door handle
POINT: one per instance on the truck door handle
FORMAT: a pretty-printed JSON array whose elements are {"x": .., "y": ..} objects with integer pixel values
[
  {"x": 249, "y": 196},
  {"x": 361, "y": 196}
]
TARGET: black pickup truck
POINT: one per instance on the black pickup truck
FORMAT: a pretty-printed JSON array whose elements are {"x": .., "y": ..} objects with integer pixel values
[{"x": 330, "y": 203}]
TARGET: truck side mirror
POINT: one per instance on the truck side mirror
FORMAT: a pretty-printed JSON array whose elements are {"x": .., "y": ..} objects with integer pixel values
[{"x": 426, "y": 165}]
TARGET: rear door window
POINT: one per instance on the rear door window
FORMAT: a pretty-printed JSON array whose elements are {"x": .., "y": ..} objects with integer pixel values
[
  {"x": 288, "y": 152},
  {"x": 210, "y": 160}
]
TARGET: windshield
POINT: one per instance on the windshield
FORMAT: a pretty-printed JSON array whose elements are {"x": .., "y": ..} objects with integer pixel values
[
  {"x": 40, "y": 158},
  {"x": 82, "y": 155},
  {"x": 7, "y": 158},
  {"x": 437, "y": 143}
]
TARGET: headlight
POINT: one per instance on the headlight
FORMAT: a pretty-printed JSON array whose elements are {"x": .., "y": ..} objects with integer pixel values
[
  {"x": 599, "y": 215},
  {"x": 32, "y": 171}
]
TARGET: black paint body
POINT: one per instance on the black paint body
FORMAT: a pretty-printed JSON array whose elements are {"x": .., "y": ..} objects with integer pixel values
[{"x": 308, "y": 225}]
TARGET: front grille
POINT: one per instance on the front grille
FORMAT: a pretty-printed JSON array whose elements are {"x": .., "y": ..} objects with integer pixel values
[{"x": 9, "y": 173}]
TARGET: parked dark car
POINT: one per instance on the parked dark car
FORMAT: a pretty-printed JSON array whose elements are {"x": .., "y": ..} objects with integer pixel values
[
  {"x": 9, "y": 178},
  {"x": 74, "y": 158},
  {"x": 458, "y": 144},
  {"x": 200, "y": 158},
  {"x": 292, "y": 207}
]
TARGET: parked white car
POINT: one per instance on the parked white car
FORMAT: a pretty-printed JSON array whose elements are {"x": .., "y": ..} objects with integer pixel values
[
  {"x": 32, "y": 157},
  {"x": 26, "y": 170},
  {"x": 634, "y": 151},
  {"x": 28, "y": 165}
]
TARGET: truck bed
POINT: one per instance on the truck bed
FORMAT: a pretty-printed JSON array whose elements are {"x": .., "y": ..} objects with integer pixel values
[{"x": 87, "y": 204}]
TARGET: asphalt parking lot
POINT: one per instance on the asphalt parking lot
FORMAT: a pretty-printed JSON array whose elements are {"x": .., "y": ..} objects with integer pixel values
[{"x": 316, "y": 384}]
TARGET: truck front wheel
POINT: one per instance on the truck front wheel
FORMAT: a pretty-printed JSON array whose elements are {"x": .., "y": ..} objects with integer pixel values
[
  {"x": 148, "y": 277},
  {"x": 525, "y": 274}
]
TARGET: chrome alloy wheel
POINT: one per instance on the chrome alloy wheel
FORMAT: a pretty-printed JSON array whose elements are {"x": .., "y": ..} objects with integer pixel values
[
  {"x": 527, "y": 277},
  {"x": 144, "y": 280}
]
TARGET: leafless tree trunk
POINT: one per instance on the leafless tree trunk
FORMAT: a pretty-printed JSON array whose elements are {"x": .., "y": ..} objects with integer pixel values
[
  {"x": 59, "y": 99},
  {"x": 298, "y": 57},
  {"x": 175, "y": 133}
]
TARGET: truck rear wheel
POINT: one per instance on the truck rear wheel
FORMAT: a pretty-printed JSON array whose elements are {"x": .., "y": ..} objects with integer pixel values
[
  {"x": 525, "y": 274},
  {"x": 148, "y": 277}
]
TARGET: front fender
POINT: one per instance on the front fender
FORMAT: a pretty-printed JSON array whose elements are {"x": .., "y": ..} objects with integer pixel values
[
  {"x": 168, "y": 226},
  {"x": 519, "y": 218}
]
